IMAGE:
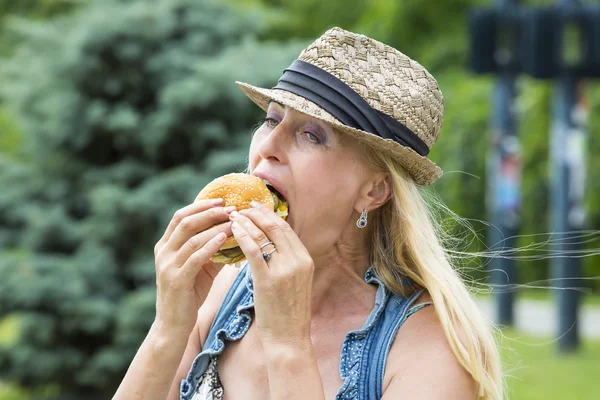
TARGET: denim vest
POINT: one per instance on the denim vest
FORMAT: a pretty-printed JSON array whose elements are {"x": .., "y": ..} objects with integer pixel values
[{"x": 364, "y": 351}]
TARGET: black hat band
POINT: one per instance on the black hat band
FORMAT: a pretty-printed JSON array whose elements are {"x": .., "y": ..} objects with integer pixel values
[{"x": 341, "y": 101}]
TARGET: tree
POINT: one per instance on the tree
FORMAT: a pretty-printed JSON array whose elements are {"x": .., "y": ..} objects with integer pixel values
[
  {"x": 10, "y": 11},
  {"x": 128, "y": 109}
]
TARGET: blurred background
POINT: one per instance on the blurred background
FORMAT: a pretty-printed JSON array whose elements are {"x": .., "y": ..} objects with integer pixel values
[{"x": 113, "y": 114}]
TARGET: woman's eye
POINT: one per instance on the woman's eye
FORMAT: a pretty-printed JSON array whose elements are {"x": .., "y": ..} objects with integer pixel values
[
  {"x": 312, "y": 137},
  {"x": 271, "y": 122}
]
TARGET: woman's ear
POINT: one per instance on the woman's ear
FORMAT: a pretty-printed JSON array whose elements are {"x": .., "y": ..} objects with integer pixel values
[{"x": 377, "y": 191}]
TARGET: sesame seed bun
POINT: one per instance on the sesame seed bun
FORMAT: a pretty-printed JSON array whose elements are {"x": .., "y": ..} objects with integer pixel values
[{"x": 236, "y": 190}]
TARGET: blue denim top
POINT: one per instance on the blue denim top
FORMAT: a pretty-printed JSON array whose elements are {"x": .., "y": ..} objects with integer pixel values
[{"x": 364, "y": 351}]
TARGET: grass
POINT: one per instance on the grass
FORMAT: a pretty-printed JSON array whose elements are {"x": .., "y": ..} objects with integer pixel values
[{"x": 535, "y": 370}]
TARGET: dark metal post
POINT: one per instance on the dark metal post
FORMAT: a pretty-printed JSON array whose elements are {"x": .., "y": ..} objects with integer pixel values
[
  {"x": 567, "y": 174},
  {"x": 504, "y": 176}
]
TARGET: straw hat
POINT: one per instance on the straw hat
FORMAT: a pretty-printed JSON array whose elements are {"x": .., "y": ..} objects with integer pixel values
[{"x": 368, "y": 90}]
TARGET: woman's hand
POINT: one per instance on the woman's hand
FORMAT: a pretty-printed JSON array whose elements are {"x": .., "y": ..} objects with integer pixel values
[
  {"x": 283, "y": 284},
  {"x": 184, "y": 272}
]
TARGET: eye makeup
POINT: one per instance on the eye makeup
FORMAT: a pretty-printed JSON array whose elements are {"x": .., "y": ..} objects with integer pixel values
[
  {"x": 274, "y": 115},
  {"x": 312, "y": 127},
  {"x": 316, "y": 130}
]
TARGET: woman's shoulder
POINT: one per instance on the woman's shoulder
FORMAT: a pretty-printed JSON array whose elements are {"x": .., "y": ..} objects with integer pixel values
[
  {"x": 421, "y": 361},
  {"x": 214, "y": 299}
]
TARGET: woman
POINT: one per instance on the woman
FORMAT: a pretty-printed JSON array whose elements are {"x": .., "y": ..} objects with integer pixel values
[{"x": 359, "y": 299}]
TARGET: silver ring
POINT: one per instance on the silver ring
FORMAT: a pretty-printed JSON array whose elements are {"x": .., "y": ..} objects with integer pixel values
[
  {"x": 267, "y": 256},
  {"x": 266, "y": 244}
]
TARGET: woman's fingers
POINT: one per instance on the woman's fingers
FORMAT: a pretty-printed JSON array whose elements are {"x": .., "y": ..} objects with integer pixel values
[
  {"x": 192, "y": 224},
  {"x": 274, "y": 227},
  {"x": 194, "y": 263},
  {"x": 283, "y": 284},
  {"x": 182, "y": 213},
  {"x": 197, "y": 241},
  {"x": 249, "y": 246},
  {"x": 255, "y": 233}
]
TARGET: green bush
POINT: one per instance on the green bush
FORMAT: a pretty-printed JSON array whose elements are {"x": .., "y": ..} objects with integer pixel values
[{"x": 127, "y": 109}]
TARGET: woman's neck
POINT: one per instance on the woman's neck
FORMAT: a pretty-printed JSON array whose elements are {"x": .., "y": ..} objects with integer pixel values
[{"x": 338, "y": 283}]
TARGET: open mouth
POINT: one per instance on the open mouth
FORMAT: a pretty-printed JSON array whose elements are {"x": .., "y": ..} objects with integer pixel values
[{"x": 281, "y": 205}]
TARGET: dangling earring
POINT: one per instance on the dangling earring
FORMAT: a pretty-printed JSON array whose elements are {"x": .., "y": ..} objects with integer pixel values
[{"x": 362, "y": 221}]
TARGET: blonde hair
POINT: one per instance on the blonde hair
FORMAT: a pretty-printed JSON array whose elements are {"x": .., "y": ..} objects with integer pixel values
[
  {"x": 406, "y": 241},
  {"x": 407, "y": 225}
]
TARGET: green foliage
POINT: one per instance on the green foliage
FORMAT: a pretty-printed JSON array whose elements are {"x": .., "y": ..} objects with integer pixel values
[
  {"x": 534, "y": 135},
  {"x": 309, "y": 18},
  {"x": 10, "y": 134},
  {"x": 128, "y": 109},
  {"x": 36, "y": 9},
  {"x": 9, "y": 330},
  {"x": 591, "y": 266}
]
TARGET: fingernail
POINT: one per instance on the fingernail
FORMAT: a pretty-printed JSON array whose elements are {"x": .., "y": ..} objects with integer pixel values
[
  {"x": 255, "y": 204},
  {"x": 234, "y": 214},
  {"x": 216, "y": 202},
  {"x": 229, "y": 209}
]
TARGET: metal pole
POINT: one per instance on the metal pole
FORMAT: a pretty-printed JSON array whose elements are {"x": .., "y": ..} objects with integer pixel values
[
  {"x": 567, "y": 189},
  {"x": 504, "y": 179}
]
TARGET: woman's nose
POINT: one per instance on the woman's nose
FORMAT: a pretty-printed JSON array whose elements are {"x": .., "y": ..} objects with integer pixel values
[{"x": 274, "y": 144}]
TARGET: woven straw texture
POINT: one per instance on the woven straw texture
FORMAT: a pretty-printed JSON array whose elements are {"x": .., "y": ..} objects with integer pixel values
[{"x": 388, "y": 80}]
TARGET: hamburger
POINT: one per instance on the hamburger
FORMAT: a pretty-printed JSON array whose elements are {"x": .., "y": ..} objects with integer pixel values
[{"x": 239, "y": 190}]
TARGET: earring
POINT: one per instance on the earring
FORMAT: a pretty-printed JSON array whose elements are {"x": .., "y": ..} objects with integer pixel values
[{"x": 362, "y": 221}]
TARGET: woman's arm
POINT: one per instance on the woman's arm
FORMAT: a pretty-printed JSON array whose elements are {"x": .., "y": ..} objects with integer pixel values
[
  {"x": 421, "y": 364},
  {"x": 282, "y": 302},
  {"x": 185, "y": 277},
  {"x": 293, "y": 371},
  {"x": 152, "y": 372},
  {"x": 164, "y": 359}
]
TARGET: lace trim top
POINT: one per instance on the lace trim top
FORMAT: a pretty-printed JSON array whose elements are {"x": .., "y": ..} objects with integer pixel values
[{"x": 210, "y": 387}]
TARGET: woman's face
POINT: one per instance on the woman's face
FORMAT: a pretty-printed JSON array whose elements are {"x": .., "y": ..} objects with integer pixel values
[{"x": 319, "y": 169}]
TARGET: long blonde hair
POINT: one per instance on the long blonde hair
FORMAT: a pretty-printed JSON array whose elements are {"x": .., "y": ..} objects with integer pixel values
[
  {"x": 406, "y": 240},
  {"x": 407, "y": 225}
]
